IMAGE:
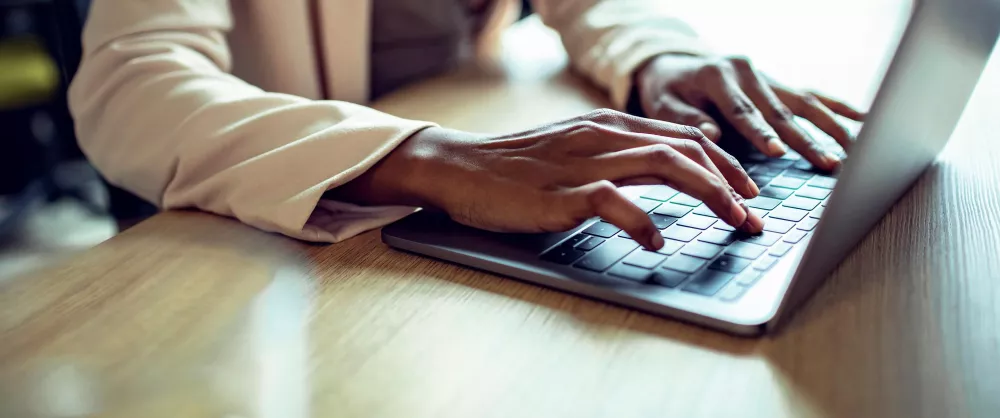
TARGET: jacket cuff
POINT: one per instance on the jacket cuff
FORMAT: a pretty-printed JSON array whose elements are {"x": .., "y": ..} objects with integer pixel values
[{"x": 644, "y": 46}]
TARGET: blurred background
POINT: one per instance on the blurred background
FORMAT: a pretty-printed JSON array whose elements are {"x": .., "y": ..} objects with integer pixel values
[{"x": 53, "y": 204}]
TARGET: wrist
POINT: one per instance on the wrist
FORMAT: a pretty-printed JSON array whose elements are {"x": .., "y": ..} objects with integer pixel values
[{"x": 410, "y": 175}]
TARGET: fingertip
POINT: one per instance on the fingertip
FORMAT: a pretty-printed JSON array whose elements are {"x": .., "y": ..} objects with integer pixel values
[
  {"x": 738, "y": 214},
  {"x": 775, "y": 148},
  {"x": 752, "y": 189},
  {"x": 656, "y": 240},
  {"x": 753, "y": 225}
]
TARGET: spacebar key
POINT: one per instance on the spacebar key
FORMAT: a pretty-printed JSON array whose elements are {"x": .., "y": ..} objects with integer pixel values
[{"x": 606, "y": 255}]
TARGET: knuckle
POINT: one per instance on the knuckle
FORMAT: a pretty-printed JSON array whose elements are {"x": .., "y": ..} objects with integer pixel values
[
  {"x": 690, "y": 132},
  {"x": 741, "y": 107},
  {"x": 586, "y": 129},
  {"x": 602, "y": 194},
  {"x": 718, "y": 190},
  {"x": 603, "y": 115},
  {"x": 662, "y": 154},
  {"x": 709, "y": 73},
  {"x": 783, "y": 113},
  {"x": 741, "y": 63},
  {"x": 811, "y": 100}
]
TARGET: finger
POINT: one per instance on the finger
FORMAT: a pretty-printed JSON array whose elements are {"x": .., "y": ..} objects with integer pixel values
[
  {"x": 840, "y": 108},
  {"x": 709, "y": 155},
  {"x": 813, "y": 109},
  {"x": 602, "y": 199},
  {"x": 781, "y": 118},
  {"x": 674, "y": 169},
  {"x": 653, "y": 131},
  {"x": 731, "y": 169},
  {"x": 671, "y": 108},
  {"x": 724, "y": 91}
]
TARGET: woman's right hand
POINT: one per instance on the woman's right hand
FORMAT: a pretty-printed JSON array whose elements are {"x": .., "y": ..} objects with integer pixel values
[{"x": 555, "y": 177}]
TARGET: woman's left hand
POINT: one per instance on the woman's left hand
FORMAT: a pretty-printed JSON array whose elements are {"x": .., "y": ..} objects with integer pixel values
[{"x": 680, "y": 88}]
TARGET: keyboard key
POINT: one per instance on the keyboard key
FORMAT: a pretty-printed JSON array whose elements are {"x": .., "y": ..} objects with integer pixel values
[
  {"x": 697, "y": 221},
  {"x": 575, "y": 239},
  {"x": 746, "y": 250},
  {"x": 724, "y": 226},
  {"x": 673, "y": 210},
  {"x": 778, "y": 225},
  {"x": 606, "y": 255},
  {"x": 761, "y": 181},
  {"x": 801, "y": 203},
  {"x": 813, "y": 193},
  {"x": 795, "y": 236},
  {"x": 799, "y": 174},
  {"x": 766, "y": 170},
  {"x": 681, "y": 233},
  {"x": 668, "y": 278},
  {"x": 702, "y": 250},
  {"x": 716, "y": 236},
  {"x": 761, "y": 213},
  {"x": 729, "y": 264},
  {"x": 817, "y": 213},
  {"x": 789, "y": 214},
  {"x": 624, "y": 234},
  {"x": 708, "y": 282},
  {"x": 776, "y": 192},
  {"x": 670, "y": 247},
  {"x": 683, "y": 199},
  {"x": 765, "y": 238},
  {"x": 645, "y": 204},
  {"x": 645, "y": 259},
  {"x": 629, "y": 272},
  {"x": 780, "y": 249},
  {"x": 749, "y": 277},
  {"x": 765, "y": 263},
  {"x": 660, "y": 193},
  {"x": 765, "y": 203},
  {"x": 823, "y": 182},
  {"x": 808, "y": 224},
  {"x": 590, "y": 243},
  {"x": 804, "y": 166},
  {"x": 787, "y": 182},
  {"x": 662, "y": 222},
  {"x": 781, "y": 163},
  {"x": 602, "y": 229},
  {"x": 684, "y": 264},
  {"x": 705, "y": 211},
  {"x": 562, "y": 254},
  {"x": 732, "y": 293}
]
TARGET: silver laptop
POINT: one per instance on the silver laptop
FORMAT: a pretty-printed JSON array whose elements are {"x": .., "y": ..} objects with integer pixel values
[{"x": 709, "y": 274}]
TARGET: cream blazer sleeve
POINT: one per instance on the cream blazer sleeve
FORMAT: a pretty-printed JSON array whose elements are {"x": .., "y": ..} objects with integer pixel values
[
  {"x": 607, "y": 40},
  {"x": 158, "y": 113}
]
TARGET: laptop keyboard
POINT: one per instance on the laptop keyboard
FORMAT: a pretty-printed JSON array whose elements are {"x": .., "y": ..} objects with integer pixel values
[{"x": 702, "y": 254}]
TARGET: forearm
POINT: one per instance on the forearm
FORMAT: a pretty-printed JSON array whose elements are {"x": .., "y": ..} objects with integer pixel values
[{"x": 157, "y": 113}]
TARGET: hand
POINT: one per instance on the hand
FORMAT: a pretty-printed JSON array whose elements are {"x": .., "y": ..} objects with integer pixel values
[
  {"x": 555, "y": 177},
  {"x": 680, "y": 88}
]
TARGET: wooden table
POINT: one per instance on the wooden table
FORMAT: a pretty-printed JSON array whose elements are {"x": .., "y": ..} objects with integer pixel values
[{"x": 192, "y": 315}]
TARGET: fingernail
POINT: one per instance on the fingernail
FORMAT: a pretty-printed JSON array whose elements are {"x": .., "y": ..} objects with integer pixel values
[
  {"x": 830, "y": 161},
  {"x": 657, "y": 241},
  {"x": 710, "y": 131},
  {"x": 775, "y": 147},
  {"x": 754, "y": 190}
]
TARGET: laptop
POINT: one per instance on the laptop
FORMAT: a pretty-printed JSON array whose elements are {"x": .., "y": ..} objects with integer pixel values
[{"x": 711, "y": 275}]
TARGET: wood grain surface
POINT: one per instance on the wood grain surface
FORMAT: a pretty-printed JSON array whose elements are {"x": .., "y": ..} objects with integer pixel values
[{"x": 192, "y": 315}]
